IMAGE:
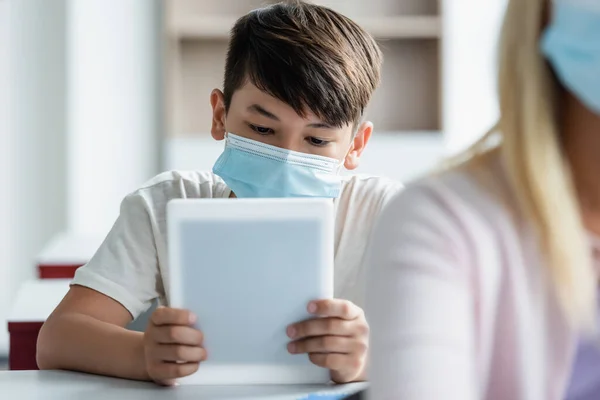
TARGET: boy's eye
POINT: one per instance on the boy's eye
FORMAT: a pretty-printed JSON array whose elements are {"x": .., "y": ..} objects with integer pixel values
[
  {"x": 261, "y": 130},
  {"x": 317, "y": 142}
]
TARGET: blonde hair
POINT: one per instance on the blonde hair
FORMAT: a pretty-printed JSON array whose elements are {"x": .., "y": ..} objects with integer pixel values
[{"x": 537, "y": 169}]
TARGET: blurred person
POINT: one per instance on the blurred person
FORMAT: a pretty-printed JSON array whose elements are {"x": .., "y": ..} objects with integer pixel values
[
  {"x": 298, "y": 78},
  {"x": 484, "y": 277}
]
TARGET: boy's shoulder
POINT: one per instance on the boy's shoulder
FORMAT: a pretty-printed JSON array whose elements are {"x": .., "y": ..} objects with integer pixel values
[
  {"x": 362, "y": 190},
  {"x": 362, "y": 187},
  {"x": 168, "y": 178},
  {"x": 365, "y": 196},
  {"x": 205, "y": 184},
  {"x": 181, "y": 185}
]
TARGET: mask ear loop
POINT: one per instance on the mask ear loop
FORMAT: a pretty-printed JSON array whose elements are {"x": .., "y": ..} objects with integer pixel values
[{"x": 343, "y": 160}]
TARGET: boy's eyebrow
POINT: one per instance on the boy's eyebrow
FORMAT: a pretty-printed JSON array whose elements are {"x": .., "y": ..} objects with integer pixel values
[
  {"x": 258, "y": 109},
  {"x": 321, "y": 125}
]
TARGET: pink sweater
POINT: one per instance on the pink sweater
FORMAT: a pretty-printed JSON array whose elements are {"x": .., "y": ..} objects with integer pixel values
[{"x": 458, "y": 300}]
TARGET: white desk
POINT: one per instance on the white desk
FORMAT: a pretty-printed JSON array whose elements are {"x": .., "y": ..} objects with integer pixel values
[{"x": 60, "y": 385}]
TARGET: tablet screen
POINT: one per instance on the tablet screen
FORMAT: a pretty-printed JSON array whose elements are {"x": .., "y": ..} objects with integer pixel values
[
  {"x": 247, "y": 278},
  {"x": 249, "y": 270}
]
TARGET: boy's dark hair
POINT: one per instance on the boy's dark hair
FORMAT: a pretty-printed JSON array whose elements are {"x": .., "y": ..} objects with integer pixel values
[{"x": 308, "y": 56}]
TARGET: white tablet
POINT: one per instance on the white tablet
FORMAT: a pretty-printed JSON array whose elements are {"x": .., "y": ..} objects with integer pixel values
[{"x": 248, "y": 268}]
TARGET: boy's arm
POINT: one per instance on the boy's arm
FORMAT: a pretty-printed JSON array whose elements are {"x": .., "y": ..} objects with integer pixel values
[{"x": 87, "y": 333}]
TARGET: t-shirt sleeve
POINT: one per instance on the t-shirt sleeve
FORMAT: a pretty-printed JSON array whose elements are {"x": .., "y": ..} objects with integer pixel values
[
  {"x": 418, "y": 302},
  {"x": 125, "y": 267}
]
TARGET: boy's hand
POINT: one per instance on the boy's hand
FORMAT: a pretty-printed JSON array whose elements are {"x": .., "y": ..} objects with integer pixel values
[
  {"x": 336, "y": 339},
  {"x": 172, "y": 347}
]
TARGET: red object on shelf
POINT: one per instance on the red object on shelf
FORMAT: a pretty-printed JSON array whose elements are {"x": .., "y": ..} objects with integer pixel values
[
  {"x": 58, "y": 271},
  {"x": 23, "y": 345},
  {"x": 36, "y": 299}
]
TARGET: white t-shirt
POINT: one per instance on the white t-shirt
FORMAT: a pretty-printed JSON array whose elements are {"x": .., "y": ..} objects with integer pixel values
[{"x": 132, "y": 263}]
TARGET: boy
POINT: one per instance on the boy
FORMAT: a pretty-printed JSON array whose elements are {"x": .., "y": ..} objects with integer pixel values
[{"x": 297, "y": 80}]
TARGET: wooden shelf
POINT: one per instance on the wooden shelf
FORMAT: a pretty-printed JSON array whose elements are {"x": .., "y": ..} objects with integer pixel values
[
  {"x": 208, "y": 28},
  {"x": 407, "y": 27},
  {"x": 409, "y": 33},
  {"x": 401, "y": 27}
]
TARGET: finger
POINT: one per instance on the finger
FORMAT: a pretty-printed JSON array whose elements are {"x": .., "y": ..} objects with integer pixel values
[
  {"x": 326, "y": 344},
  {"x": 335, "y": 361},
  {"x": 321, "y": 327},
  {"x": 335, "y": 308},
  {"x": 166, "y": 382},
  {"x": 172, "y": 316},
  {"x": 165, "y": 373},
  {"x": 175, "y": 334},
  {"x": 178, "y": 353}
]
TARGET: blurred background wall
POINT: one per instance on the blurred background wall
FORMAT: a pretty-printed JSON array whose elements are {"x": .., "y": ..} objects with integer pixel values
[
  {"x": 97, "y": 96},
  {"x": 34, "y": 143},
  {"x": 5, "y": 161},
  {"x": 114, "y": 105},
  {"x": 470, "y": 31}
]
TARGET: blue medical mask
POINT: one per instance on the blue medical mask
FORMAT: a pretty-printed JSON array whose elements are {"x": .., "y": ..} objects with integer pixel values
[
  {"x": 572, "y": 45},
  {"x": 253, "y": 169}
]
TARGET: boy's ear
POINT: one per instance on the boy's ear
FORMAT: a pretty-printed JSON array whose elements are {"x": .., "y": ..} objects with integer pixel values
[
  {"x": 363, "y": 134},
  {"x": 217, "y": 101}
]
